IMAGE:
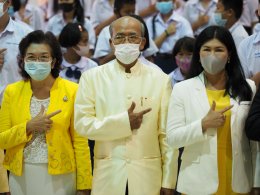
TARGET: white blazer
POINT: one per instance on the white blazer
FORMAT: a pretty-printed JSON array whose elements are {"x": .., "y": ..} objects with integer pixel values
[{"x": 199, "y": 169}]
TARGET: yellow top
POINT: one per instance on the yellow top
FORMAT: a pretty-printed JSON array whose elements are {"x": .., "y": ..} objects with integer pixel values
[{"x": 224, "y": 143}]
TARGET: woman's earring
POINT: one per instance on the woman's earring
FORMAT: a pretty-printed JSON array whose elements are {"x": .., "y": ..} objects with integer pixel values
[{"x": 228, "y": 61}]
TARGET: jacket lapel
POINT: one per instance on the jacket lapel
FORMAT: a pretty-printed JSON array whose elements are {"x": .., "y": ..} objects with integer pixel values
[{"x": 200, "y": 93}]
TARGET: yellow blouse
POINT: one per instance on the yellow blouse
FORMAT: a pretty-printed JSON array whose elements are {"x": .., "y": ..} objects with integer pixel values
[{"x": 224, "y": 143}]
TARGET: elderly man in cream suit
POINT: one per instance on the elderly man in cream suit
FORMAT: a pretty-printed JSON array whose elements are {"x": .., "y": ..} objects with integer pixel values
[
  {"x": 3, "y": 175},
  {"x": 122, "y": 105}
]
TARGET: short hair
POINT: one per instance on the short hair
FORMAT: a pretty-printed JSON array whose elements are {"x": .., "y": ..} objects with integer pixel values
[
  {"x": 184, "y": 43},
  {"x": 118, "y": 4},
  {"x": 235, "y": 5},
  {"x": 40, "y": 37},
  {"x": 142, "y": 26},
  {"x": 236, "y": 85},
  {"x": 71, "y": 34},
  {"x": 145, "y": 33}
]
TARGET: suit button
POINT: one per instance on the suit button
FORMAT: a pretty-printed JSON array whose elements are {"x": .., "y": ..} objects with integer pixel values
[
  {"x": 128, "y": 160},
  {"x": 129, "y": 97}
]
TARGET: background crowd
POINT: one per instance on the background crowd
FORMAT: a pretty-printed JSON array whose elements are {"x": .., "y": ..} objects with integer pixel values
[{"x": 73, "y": 73}]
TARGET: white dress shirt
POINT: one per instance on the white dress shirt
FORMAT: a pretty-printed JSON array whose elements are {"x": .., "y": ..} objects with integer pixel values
[
  {"x": 248, "y": 14},
  {"x": 10, "y": 39},
  {"x": 88, "y": 5},
  {"x": 194, "y": 8},
  {"x": 249, "y": 54},
  {"x": 101, "y": 6},
  {"x": 183, "y": 28},
  {"x": 238, "y": 33},
  {"x": 83, "y": 65},
  {"x": 36, "y": 14},
  {"x": 176, "y": 76},
  {"x": 57, "y": 22}
]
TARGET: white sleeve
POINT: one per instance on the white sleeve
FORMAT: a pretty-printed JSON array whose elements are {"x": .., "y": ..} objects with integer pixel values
[
  {"x": 103, "y": 46},
  {"x": 91, "y": 33}
]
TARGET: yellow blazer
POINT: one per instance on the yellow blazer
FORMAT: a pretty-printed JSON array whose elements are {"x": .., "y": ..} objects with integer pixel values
[
  {"x": 67, "y": 151},
  {"x": 3, "y": 175}
]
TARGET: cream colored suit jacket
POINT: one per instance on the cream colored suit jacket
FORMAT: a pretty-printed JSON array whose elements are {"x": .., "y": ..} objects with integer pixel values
[
  {"x": 199, "y": 170},
  {"x": 140, "y": 157}
]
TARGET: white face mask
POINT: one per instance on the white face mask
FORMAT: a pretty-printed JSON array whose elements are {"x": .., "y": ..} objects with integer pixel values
[
  {"x": 83, "y": 50},
  {"x": 127, "y": 53},
  {"x": 2, "y": 12},
  {"x": 212, "y": 64}
]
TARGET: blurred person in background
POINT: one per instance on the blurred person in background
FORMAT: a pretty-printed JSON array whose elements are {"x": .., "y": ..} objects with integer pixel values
[
  {"x": 71, "y": 11},
  {"x": 166, "y": 28}
]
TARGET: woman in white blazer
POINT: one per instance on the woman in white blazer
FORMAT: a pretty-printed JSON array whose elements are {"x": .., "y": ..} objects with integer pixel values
[{"x": 206, "y": 116}]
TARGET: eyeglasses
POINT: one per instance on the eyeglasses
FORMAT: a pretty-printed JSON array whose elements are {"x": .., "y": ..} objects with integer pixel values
[
  {"x": 41, "y": 58},
  {"x": 120, "y": 39}
]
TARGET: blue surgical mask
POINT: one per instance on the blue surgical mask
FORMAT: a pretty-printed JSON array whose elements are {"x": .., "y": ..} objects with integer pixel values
[
  {"x": 164, "y": 7},
  {"x": 219, "y": 20},
  {"x": 38, "y": 70},
  {"x": 11, "y": 11}
]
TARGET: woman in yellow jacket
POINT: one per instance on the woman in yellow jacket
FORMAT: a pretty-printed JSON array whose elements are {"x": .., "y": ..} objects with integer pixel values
[{"x": 44, "y": 154}]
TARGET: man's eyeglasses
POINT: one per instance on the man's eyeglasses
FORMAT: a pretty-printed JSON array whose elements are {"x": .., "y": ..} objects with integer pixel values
[{"x": 120, "y": 39}]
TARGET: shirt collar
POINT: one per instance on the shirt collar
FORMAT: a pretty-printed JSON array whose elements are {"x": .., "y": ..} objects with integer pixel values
[
  {"x": 10, "y": 26},
  {"x": 234, "y": 26},
  {"x": 177, "y": 75},
  {"x": 80, "y": 64},
  {"x": 28, "y": 7},
  {"x": 256, "y": 38},
  {"x": 135, "y": 70},
  {"x": 174, "y": 17}
]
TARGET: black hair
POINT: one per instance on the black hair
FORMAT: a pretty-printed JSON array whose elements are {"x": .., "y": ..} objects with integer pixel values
[
  {"x": 235, "y": 5},
  {"x": 78, "y": 11},
  {"x": 16, "y": 4},
  {"x": 39, "y": 37},
  {"x": 71, "y": 34},
  {"x": 118, "y": 4},
  {"x": 236, "y": 86},
  {"x": 145, "y": 33},
  {"x": 184, "y": 43}
]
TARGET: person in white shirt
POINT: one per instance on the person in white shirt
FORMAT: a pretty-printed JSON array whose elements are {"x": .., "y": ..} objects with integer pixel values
[
  {"x": 99, "y": 21},
  {"x": 88, "y": 7},
  {"x": 11, "y": 33},
  {"x": 72, "y": 11},
  {"x": 227, "y": 15},
  {"x": 182, "y": 54},
  {"x": 249, "y": 53},
  {"x": 248, "y": 18},
  {"x": 166, "y": 28},
  {"x": 30, "y": 14},
  {"x": 198, "y": 13},
  {"x": 74, "y": 37}
]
